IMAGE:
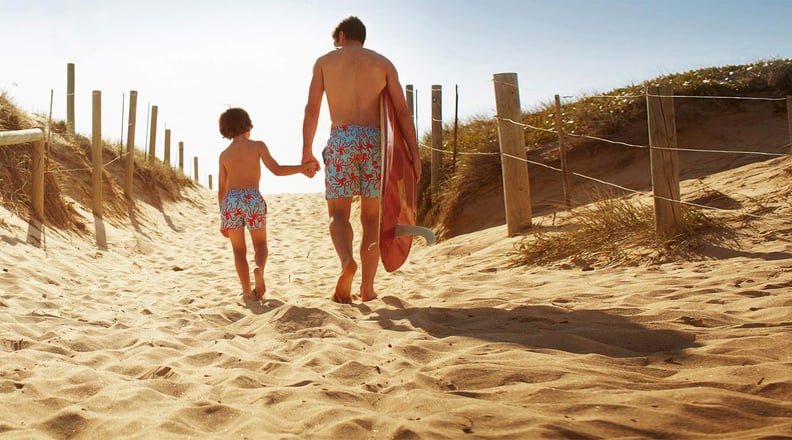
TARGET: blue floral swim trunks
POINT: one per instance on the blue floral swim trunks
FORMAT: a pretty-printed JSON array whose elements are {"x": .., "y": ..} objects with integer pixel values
[
  {"x": 352, "y": 161},
  {"x": 242, "y": 208}
]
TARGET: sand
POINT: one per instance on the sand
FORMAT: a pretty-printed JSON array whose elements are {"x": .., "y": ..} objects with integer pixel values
[{"x": 137, "y": 330}]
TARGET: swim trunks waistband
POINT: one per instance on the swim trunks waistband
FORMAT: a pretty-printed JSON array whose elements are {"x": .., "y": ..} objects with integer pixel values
[{"x": 354, "y": 127}]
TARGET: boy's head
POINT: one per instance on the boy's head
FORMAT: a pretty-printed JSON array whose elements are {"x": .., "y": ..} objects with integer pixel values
[
  {"x": 233, "y": 122},
  {"x": 353, "y": 29}
]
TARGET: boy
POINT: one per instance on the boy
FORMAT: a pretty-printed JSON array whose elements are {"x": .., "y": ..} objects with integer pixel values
[{"x": 241, "y": 203}]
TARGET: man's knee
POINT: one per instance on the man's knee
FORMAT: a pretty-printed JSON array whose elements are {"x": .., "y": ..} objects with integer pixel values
[{"x": 369, "y": 215}]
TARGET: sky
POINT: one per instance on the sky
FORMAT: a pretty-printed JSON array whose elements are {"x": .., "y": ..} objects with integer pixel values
[{"x": 193, "y": 59}]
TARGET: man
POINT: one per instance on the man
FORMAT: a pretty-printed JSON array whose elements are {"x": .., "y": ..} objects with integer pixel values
[{"x": 353, "y": 78}]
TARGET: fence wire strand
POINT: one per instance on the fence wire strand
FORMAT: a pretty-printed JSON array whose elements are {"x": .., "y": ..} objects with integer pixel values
[{"x": 526, "y": 126}]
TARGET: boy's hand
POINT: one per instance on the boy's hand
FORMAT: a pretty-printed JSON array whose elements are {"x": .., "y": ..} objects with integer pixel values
[{"x": 310, "y": 168}]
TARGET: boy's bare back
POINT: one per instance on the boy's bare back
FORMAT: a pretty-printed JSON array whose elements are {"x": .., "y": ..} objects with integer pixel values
[{"x": 240, "y": 161}]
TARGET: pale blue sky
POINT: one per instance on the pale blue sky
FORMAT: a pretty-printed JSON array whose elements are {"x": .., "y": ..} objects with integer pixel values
[{"x": 194, "y": 59}]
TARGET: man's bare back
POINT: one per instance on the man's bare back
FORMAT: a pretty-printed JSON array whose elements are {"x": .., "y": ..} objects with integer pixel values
[{"x": 354, "y": 78}]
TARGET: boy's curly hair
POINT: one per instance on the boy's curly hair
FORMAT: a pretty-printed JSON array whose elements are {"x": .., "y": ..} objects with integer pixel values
[{"x": 233, "y": 122}]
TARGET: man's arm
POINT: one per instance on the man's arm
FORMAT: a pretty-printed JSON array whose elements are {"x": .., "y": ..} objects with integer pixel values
[
  {"x": 403, "y": 116},
  {"x": 312, "y": 109}
]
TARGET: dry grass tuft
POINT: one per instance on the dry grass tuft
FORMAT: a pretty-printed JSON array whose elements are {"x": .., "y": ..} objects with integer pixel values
[
  {"x": 618, "y": 230},
  {"x": 10, "y": 116}
]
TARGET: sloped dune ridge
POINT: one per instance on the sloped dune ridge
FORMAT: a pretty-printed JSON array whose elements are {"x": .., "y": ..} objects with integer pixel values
[{"x": 144, "y": 334}]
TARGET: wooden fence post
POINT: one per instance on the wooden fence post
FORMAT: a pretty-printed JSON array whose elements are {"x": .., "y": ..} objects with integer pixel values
[
  {"x": 96, "y": 140},
  {"x": 210, "y": 181},
  {"x": 70, "y": 98},
  {"x": 153, "y": 134},
  {"x": 456, "y": 128},
  {"x": 409, "y": 97},
  {"x": 516, "y": 184},
  {"x": 562, "y": 152},
  {"x": 167, "y": 147},
  {"x": 437, "y": 140},
  {"x": 789, "y": 117},
  {"x": 195, "y": 168},
  {"x": 38, "y": 179},
  {"x": 36, "y": 136},
  {"x": 181, "y": 157},
  {"x": 129, "y": 170},
  {"x": 664, "y": 159}
]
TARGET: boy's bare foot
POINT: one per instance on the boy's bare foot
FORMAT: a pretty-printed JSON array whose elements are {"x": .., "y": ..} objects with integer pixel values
[
  {"x": 343, "y": 289},
  {"x": 261, "y": 287}
]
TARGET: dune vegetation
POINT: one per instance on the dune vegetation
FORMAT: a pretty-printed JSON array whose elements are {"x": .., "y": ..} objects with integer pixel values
[
  {"x": 67, "y": 179},
  {"x": 471, "y": 198}
]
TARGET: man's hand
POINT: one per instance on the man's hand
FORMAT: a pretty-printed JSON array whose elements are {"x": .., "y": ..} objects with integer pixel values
[{"x": 310, "y": 166}]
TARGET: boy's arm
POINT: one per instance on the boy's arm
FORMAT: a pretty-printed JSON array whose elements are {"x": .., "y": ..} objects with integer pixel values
[
  {"x": 222, "y": 181},
  {"x": 276, "y": 168}
]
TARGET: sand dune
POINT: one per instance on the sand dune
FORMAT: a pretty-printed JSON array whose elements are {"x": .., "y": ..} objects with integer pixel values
[{"x": 142, "y": 333}]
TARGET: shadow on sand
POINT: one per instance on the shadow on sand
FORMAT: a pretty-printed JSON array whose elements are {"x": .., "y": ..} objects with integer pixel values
[{"x": 541, "y": 327}]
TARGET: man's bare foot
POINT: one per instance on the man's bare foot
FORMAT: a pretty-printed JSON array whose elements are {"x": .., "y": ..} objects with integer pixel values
[
  {"x": 367, "y": 296},
  {"x": 261, "y": 287},
  {"x": 343, "y": 289}
]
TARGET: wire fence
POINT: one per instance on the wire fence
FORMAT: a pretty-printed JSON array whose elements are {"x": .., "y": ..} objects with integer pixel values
[
  {"x": 526, "y": 127},
  {"x": 70, "y": 170}
]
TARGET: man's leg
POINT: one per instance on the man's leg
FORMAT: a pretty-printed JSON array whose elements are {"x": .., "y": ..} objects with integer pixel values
[
  {"x": 341, "y": 234},
  {"x": 259, "y": 239},
  {"x": 237, "y": 237},
  {"x": 369, "y": 246}
]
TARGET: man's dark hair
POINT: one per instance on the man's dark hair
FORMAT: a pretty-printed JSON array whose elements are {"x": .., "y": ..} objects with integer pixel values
[
  {"x": 353, "y": 29},
  {"x": 233, "y": 122}
]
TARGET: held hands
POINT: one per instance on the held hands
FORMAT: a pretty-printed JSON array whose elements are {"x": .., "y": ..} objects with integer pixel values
[{"x": 310, "y": 167}]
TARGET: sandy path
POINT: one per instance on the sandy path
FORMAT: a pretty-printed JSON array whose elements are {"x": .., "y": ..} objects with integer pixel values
[{"x": 149, "y": 338}]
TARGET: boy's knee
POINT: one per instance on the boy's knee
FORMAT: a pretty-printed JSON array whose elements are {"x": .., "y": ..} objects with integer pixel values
[
  {"x": 261, "y": 248},
  {"x": 240, "y": 253}
]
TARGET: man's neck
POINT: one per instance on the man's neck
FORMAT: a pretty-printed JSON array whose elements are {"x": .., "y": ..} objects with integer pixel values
[{"x": 351, "y": 43}]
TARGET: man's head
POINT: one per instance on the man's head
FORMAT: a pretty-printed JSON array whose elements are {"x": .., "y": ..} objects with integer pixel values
[
  {"x": 353, "y": 29},
  {"x": 233, "y": 122}
]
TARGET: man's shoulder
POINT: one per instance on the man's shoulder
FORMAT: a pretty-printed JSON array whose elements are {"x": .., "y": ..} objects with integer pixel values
[
  {"x": 363, "y": 52},
  {"x": 326, "y": 56}
]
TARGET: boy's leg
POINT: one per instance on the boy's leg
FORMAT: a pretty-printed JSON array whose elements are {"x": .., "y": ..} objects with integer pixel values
[
  {"x": 341, "y": 235},
  {"x": 369, "y": 246},
  {"x": 259, "y": 239},
  {"x": 237, "y": 237}
]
